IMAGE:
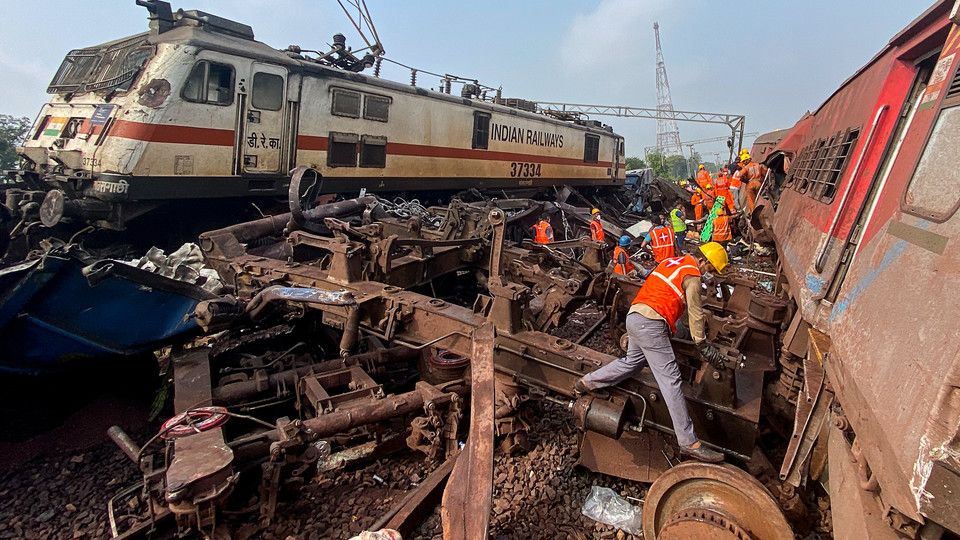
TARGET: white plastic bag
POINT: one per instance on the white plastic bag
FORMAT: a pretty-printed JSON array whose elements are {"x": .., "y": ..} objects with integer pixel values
[{"x": 605, "y": 506}]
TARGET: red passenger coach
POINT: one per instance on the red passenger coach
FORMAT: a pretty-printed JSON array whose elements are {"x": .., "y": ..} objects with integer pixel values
[{"x": 866, "y": 191}]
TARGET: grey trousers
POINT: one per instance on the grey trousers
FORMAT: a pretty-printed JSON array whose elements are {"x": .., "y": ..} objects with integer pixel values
[{"x": 650, "y": 344}]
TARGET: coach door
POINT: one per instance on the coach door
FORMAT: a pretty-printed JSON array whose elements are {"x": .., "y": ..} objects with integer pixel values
[{"x": 265, "y": 133}]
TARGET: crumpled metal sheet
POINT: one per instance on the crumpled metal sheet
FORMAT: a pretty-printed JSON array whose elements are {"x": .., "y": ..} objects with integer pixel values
[{"x": 185, "y": 264}]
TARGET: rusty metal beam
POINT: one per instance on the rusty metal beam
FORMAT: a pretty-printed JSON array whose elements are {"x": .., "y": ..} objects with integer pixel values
[{"x": 465, "y": 512}]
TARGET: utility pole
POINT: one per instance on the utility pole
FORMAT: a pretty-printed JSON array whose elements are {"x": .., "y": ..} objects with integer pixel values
[{"x": 668, "y": 134}]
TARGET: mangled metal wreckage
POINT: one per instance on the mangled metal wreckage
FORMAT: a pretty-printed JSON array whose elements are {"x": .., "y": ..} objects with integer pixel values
[{"x": 352, "y": 316}]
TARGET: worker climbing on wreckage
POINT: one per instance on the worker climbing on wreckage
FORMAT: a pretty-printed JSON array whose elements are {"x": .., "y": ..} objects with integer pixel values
[
  {"x": 751, "y": 175},
  {"x": 672, "y": 286},
  {"x": 542, "y": 231},
  {"x": 596, "y": 228},
  {"x": 621, "y": 258}
]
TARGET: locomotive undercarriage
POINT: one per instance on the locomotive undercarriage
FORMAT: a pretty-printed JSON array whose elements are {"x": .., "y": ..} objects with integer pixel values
[{"x": 352, "y": 329}]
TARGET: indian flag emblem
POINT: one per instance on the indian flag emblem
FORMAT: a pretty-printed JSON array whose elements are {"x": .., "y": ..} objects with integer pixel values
[{"x": 55, "y": 126}]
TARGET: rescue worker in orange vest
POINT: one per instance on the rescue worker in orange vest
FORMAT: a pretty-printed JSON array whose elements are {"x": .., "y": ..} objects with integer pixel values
[
  {"x": 661, "y": 240},
  {"x": 703, "y": 176},
  {"x": 696, "y": 201},
  {"x": 621, "y": 258},
  {"x": 709, "y": 196},
  {"x": 596, "y": 228},
  {"x": 672, "y": 286},
  {"x": 722, "y": 234},
  {"x": 542, "y": 231},
  {"x": 751, "y": 174},
  {"x": 723, "y": 189},
  {"x": 735, "y": 189}
]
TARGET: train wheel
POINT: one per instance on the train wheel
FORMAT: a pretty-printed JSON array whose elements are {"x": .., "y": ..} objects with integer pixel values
[{"x": 707, "y": 501}]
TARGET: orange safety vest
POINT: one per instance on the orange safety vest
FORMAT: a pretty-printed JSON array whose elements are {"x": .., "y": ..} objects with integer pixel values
[
  {"x": 721, "y": 229},
  {"x": 703, "y": 178},
  {"x": 735, "y": 182},
  {"x": 596, "y": 230},
  {"x": 663, "y": 288},
  {"x": 696, "y": 199},
  {"x": 622, "y": 268},
  {"x": 662, "y": 242},
  {"x": 543, "y": 232},
  {"x": 722, "y": 182}
]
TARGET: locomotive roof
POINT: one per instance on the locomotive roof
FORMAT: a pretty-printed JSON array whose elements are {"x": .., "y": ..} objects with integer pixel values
[{"x": 204, "y": 38}]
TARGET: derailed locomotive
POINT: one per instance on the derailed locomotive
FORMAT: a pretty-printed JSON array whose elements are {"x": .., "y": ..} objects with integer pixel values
[
  {"x": 863, "y": 208},
  {"x": 196, "y": 109}
]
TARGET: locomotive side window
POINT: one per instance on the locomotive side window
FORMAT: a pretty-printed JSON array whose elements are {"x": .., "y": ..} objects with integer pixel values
[
  {"x": 373, "y": 151},
  {"x": 591, "y": 148},
  {"x": 376, "y": 108},
  {"x": 346, "y": 103},
  {"x": 342, "y": 150},
  {"x": 928, "y": 193},
  {"x": 481, "y": 130},
  {"x": 267, "y": 91},
  {"x": 209, "y": 82}
]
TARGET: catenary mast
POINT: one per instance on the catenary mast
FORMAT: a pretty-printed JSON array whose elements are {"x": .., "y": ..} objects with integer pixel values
[{"x": 668, "y": 134}]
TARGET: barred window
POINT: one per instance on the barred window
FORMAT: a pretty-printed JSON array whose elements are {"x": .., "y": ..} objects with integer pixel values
[
  {"x": 819, "y": 166},
  {"x": 481, "y": 130},
  {"x": 591, "y": 148}
]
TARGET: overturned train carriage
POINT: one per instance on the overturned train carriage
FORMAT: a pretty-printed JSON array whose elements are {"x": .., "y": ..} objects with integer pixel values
[
  {"x": 863, "y": 207},
  {"x": 197, "y": 109}
]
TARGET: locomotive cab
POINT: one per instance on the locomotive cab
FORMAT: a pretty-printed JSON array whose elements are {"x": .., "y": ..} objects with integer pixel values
[{"x": 153, "y": 118}]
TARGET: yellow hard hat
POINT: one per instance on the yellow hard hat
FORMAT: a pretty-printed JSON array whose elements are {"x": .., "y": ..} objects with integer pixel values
[
  {"x": 709, "y": 186},
  {"x": 595, "y": 211},
  {"x": 700, "y": 167},
  {"x": 744, "y": 154},
  {"x": 715, "y": 253}
]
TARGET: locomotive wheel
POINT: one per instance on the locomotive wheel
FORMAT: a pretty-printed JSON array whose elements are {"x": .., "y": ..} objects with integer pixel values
[{"x": 703, "y": 500}]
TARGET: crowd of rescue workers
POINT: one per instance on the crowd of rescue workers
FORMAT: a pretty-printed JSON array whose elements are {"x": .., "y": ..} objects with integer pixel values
[{"x": 674, "y": 284}]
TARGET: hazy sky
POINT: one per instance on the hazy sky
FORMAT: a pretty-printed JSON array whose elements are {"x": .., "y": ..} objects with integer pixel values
[{"x": 766, "y": 59}]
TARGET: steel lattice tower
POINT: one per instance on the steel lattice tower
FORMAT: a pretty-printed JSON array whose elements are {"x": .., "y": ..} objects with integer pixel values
[{"x": 668, "y": 134}]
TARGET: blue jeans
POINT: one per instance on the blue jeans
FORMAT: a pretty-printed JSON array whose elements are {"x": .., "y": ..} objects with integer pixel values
[{"x": 680, "y": 236}]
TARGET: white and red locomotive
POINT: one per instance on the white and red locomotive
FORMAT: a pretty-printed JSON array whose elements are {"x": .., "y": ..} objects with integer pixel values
[{"x": 197, "y": 109}]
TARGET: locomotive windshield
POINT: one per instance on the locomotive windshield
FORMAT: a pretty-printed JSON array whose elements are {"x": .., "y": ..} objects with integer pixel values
[{"x": 112, "y": 66}]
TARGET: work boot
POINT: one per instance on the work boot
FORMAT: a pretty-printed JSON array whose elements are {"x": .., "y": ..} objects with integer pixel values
[{"x": 702, "y": 453}]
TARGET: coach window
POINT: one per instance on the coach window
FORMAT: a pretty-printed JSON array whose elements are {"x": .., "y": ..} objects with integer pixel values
[
  {"x": 591, "y": 148},
  {"x": 343, "y": 149},
  {"x": 931, "y": 193},
  {"x": 209, "y": 82},
  {"x": 267, "y": 91},
  {"x": 373, "y": 151},
  {"x": 346, "y": 103},
  {"x": 481, "y": 130},
  {"x": 376, "y": 108}
]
